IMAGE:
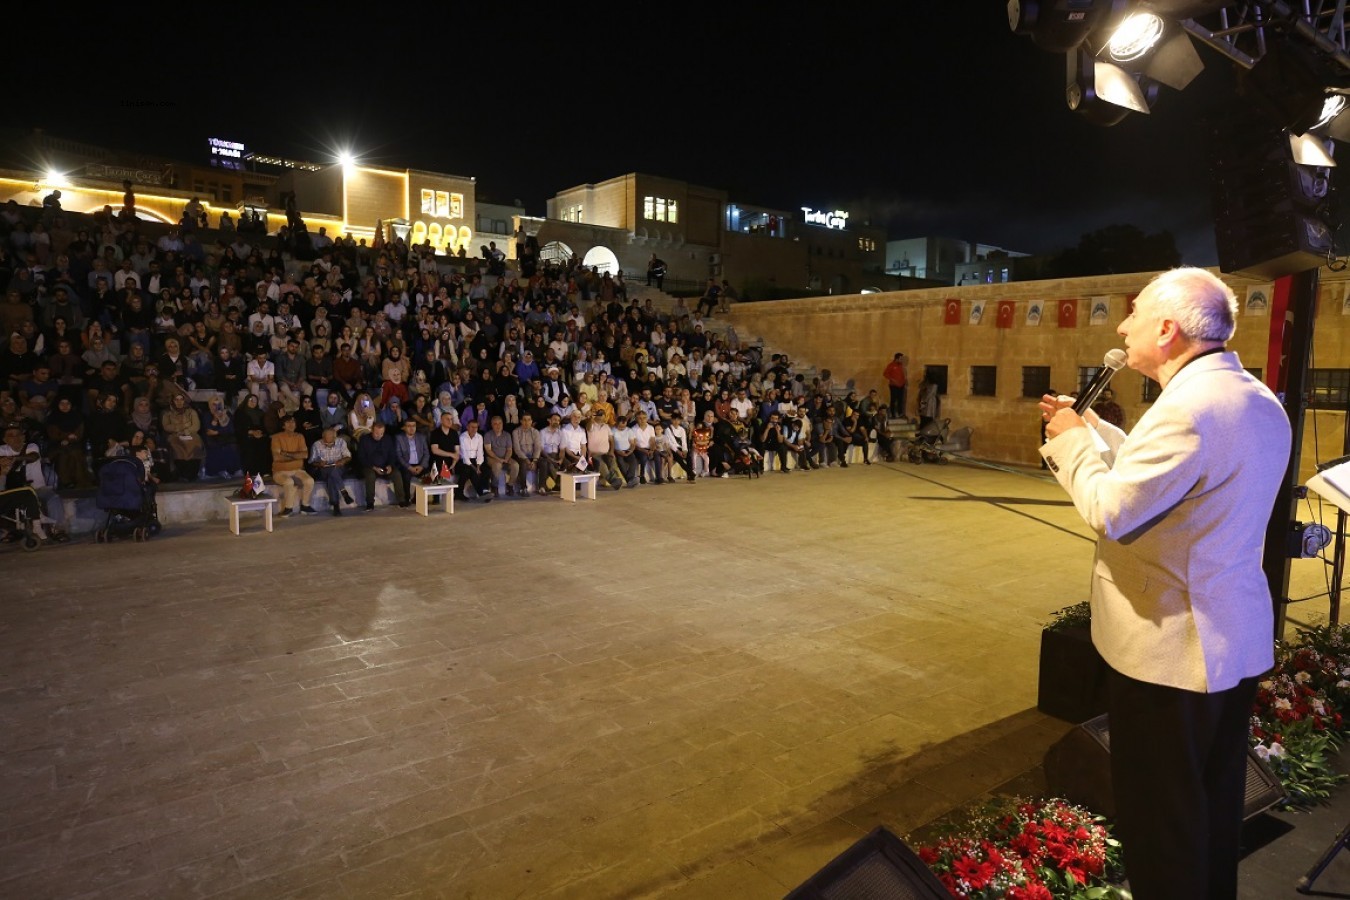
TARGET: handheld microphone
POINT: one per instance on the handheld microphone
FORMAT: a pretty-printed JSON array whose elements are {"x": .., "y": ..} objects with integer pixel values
[{"x": 1111, "y": 364}]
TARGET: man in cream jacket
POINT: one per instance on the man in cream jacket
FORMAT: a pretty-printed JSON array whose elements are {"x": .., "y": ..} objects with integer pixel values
[{"x": 1181, "y": 610}]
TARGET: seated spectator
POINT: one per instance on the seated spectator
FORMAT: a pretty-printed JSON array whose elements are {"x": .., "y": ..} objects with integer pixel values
[
  {"x": 392, "y": 415},
  {"x": 222, "y": 448},
  {"x": 329, "y": 457},
  {"x": 21, "y": 467},
  {"x": 37, "y": 394},
  {"x": 332, "y": 414},
  {"x": 474, "y": 477},
  {"x": 288, "y": 469},
  {"x": 182, "y": 429},
  {"x": 255, "y": 448},
  {"x": 228, "y": 376},
  {"x": 308, "y": 421},
  {"x": 414, "y": 461},
  {"x": 551, "y": 453},
  {"x": 260, "y": 376},
  {"x": 527, "y": 448},
  {"x": 378, "y": 456},
  {"x": 362, "y": 416},
  {"x": 501, "y": 459},
  {"x": 444, "y": 444},
  {"x": 663, "y": 453},
  {"x": 826, "y": 441},
  {"x": 66, "y": 445}
]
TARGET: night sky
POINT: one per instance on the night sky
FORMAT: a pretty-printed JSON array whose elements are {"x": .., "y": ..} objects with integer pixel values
[{"x": 927, "y": 118}]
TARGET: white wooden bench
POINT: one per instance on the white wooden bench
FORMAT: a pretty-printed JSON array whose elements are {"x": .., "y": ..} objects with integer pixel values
[
  {"x": 422, "y": 493},
  {"x": 253, "y": 504},
  {"x": 570, "y": 482}
]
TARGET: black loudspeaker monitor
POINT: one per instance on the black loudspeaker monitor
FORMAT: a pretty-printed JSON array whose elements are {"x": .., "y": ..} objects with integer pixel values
[
  {"x": 1078, "y": 768},
  {"x": 878, "y": 867}
]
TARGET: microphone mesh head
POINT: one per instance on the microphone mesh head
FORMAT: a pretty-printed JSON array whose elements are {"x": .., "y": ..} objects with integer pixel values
[{"x": 1114, "y": 360}]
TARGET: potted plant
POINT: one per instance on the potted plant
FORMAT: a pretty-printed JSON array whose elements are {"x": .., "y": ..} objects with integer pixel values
[{"x": 1072, "y": 682}]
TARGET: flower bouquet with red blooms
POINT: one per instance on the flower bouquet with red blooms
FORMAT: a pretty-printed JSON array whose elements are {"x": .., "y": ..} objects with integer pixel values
[
  {"x": 1029, "y": 850},
  {"x": 1296, "y": 719}
]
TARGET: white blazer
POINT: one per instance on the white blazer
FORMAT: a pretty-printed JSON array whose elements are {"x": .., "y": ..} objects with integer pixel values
[{"x": 1180, "y": 505}]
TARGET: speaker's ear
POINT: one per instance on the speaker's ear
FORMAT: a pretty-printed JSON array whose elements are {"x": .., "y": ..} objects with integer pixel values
[{"x": 878, "y": 867}]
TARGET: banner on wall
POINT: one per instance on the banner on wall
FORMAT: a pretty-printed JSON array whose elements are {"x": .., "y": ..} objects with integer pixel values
[
  {"x": 1006, "y": 310},
  {"x": 1258, "y": 299},
  {"x": 976, "y": 311},
  {"x": 1068, "y": 314},
  {"x": 1101, "y": 311}
]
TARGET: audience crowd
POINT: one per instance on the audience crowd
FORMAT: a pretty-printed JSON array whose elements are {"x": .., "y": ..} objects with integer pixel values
[{"x": 215, "y": 354}]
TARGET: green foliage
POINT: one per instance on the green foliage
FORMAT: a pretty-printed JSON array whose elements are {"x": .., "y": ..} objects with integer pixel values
[{"x": 1077, "y": 616}]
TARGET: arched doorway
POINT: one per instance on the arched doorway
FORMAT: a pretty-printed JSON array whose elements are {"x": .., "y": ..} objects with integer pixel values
[
  {"x": 555, "y": 253},
  {"x": 602, "y": 259}
]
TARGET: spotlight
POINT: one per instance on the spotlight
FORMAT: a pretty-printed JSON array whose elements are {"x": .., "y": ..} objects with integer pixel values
[
  {"x": 1310, "y": 150},
  {"x": 56, "y": 178},
  {"x": 1332, "y": 107},
  {"x": 1135, "y": 37},
  {"x": 1103, "y": 92},
  {"x": 345, "y": 159}
]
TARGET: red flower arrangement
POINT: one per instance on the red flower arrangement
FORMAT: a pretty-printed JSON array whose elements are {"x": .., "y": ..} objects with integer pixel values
[
  {"x": 1296, "y": 717},
  {"x": 1036, "y": 850}
]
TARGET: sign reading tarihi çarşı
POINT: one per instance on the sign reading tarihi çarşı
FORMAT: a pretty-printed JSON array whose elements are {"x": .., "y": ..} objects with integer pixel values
[{"x": 836, "y": 219}]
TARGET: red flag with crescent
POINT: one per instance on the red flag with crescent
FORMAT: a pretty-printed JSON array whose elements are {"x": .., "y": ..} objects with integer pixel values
[
  {"x": 1068, "y": 313},
  {"x": 1006, "y": 310},
  {"x": 952, "y": 314}
]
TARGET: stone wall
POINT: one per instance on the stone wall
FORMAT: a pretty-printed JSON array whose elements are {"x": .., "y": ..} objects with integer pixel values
[{"x": 855, "y": 336}]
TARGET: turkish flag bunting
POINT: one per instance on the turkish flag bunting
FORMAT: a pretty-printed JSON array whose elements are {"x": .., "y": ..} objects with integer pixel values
[
  {"x": 1006, "y": 310},
  {"x": 952, "y": 314},
  {"x": 1068, "y": 313}
]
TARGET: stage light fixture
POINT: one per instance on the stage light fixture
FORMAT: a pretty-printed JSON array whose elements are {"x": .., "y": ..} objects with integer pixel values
[
  {"x": 1310, "y": 150},
  {"x": 1135, "y": 36},
  {"x": 1332, "y": 107},
  {"x": 1103, "y": 92},
  {"x": 345, "y": 159}
]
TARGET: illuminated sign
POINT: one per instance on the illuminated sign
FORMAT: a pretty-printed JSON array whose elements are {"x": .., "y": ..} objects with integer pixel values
[
  {"x": 226, "y": 154},
  {"x": 225, "y": 148},
  {"x": 837, "y": 219},
  {"x": 124, "y": 173}
]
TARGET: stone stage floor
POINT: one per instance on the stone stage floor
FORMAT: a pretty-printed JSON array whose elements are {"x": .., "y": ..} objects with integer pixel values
[{"x": 696, "y": 691}]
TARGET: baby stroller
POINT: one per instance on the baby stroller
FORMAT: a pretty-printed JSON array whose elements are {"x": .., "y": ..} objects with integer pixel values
[
  {"x": 928, "y": 441},
  {"x": 128, "y": 500},
  {"x": 19, "y": 508}
]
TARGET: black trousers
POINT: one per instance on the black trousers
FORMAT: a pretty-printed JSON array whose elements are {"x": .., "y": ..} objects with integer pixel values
[
  {"x": 898, "y": 400},
  {"x": 1178, "y": 773}
]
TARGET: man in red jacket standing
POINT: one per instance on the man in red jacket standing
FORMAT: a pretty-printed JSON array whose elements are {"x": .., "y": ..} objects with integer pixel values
[{"x": 896, "y": 377}]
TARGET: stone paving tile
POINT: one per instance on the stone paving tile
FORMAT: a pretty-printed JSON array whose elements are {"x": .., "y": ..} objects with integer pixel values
[{"x": 775, "y": 668}]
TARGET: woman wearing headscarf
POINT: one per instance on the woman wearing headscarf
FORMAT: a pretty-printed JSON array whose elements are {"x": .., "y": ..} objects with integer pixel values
[
  {"x": 65, "y": 444},
  {"x": 255, "y": 449},
  {"x": 183, "y": 433},
  {"x": 308, "y": 421},
  {"x": 444, "y": 404},
  {"x": 143, "y": 416},
  {"x": 222, "y": 447},
  {"x": 106, "y": 430},
  {"x": 361, "y": 418}
]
